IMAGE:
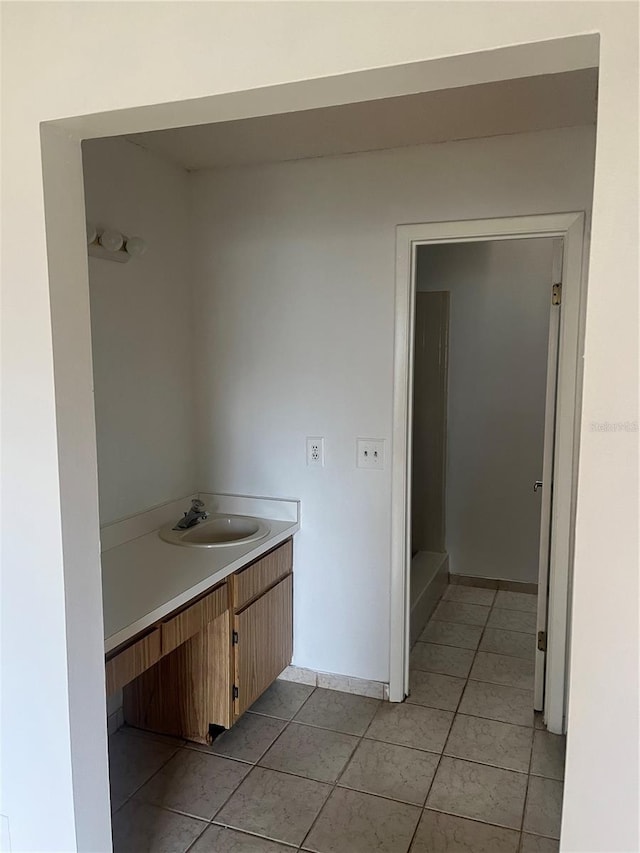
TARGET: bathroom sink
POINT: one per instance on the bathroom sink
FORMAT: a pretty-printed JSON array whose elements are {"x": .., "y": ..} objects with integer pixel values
[{"x": 217, "y": 531}]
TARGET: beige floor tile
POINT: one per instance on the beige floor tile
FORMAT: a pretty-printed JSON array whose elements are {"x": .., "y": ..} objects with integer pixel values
[
  {"x": 132, "y": 761},
  {"x": 141, "y": 828},
  {"x": 194, "y": 782},
  {"x": 456, "y": 611},
  {"x": 276, "y": 805},
  {"x": 539, "y": 720},
  {"x": 411, "y": 725},
  {"x": 318, "y": 754},
  {"x": 500, "y": 669},
  {"x": 452, "y": 634},
  {"x": 446, "y": 660},
  {"x": 353, "y": 822},
  {"x": 342, "y": 712},
  {"x": 246, "y": 740},
  {"x": 498, "y": 702},
  {"x": 512, "y": 620},
  {"x": 391, "y": 771},
  {"x": 513, "y": 643},
  {"x": 490, "y": 742},
  {"x": 548, "y": 755},
  {"x": 478, "y": 792},
  {"x": 543, "y": 811},
  {"x": 537, "y": 844},
  {"x": 434, "y": 690},
  {"x": 444, "y": 833},
  {"x": 283, "y": 699},
  {"x": 469, "y": 594},
  {"x": 516, "y": 601},
  {"x": 221, "y": 839}
]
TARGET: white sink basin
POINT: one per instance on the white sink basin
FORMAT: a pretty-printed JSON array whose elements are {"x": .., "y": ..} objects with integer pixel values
[{"x": 217, "y": 531}]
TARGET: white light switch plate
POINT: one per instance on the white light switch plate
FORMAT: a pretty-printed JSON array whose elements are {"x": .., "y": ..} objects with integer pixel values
[{"x": 370, "y": 452}]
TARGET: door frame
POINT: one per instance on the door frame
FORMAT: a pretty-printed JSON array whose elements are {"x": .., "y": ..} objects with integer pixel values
[
  {"x": 571, "y": 228},
  {"x": 547, "y": 473}
]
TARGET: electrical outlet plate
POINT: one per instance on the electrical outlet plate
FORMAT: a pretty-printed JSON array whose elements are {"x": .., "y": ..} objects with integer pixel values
[
  {"x": 315, "y": 451},
  {"x": 370, "y": 453}
]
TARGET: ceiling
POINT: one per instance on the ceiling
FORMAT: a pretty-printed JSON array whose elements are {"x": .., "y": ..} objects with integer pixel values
[{"x": 509, "y": 106}]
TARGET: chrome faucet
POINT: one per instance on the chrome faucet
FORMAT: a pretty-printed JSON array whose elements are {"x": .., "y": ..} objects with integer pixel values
[{"x": 195, "y": 515}]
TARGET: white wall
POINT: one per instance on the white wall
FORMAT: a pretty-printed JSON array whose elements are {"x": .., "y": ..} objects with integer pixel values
[
  {"x": 65, "y": 60},
  {"x": 498, "y": 334},
  {"x": 141, "y": 331},
  {"x": 295, "y": 288}
]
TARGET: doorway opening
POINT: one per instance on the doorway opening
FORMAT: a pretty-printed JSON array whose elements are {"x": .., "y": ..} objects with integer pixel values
[{"x": 487, "y": 332}]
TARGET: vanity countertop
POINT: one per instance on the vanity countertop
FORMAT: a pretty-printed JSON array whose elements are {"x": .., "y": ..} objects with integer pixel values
[{"x": 145, "y": 578}]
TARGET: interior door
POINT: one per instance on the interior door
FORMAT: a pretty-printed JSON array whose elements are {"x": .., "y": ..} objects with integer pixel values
[{"x": 545, "y": 485}]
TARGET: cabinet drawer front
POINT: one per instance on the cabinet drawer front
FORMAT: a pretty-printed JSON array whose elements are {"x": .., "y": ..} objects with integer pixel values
[
  {"x": 193, "y": 619},
  {"x": 265, "y": 642},
  {"x": 126, "y": 665},
  {"x": 262, "y": 574}
]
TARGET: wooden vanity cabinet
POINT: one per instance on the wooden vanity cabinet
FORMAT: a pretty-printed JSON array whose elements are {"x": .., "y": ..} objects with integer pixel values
[{"x": 219, "y": 653}]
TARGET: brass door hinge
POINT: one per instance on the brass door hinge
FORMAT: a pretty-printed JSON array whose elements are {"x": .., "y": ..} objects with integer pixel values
[
  {"x": 556, "y": 294},
  {"x": 542, "y": 641}
]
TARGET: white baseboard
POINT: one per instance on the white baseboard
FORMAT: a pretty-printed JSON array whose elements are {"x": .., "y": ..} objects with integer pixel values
[
  {"x": 115, "y": 721},
  {"x": 300, "y": 675},
  {"x": 331, "y": 681}
]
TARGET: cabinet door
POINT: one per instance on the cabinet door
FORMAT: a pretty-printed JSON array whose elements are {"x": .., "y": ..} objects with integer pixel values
[{"x": 264, "y": 643}]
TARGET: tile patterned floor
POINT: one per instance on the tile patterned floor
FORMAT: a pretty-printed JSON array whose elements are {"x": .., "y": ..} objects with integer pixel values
[{"x": 462, "y": 765}]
